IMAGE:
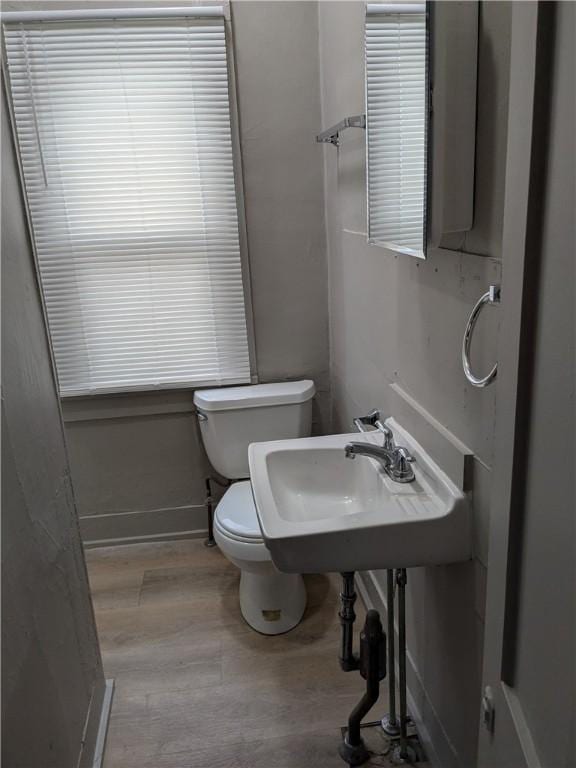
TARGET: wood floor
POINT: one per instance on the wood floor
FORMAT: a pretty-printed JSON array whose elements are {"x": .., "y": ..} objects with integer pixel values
[{"x": 195, "y": 686}]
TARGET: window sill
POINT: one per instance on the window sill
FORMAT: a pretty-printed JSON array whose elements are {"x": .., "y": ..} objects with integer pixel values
[{"x": 127, "y": 405}]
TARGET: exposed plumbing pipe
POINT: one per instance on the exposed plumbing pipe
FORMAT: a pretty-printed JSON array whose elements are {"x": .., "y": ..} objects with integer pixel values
[
  {"x": 209, "y": 503},
  {"x": 390, "y": 721},
  {"x": 373, "y": 669},
  {"x": 348, "y": 661},
  {"x": 404, "y": 752}
]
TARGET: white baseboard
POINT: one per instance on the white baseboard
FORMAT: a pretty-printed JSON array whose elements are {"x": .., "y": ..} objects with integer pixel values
[
  {"x": 143, "y": 526},
  {"x": 201, "y": 533},
  {"x": 96, "y": 725},
  {"x": 103, "y": 725},
  {"x": 438, "y": 747}
]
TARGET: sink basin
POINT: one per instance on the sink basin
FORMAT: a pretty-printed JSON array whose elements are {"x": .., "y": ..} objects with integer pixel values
[{"x": 321, "y": 512}]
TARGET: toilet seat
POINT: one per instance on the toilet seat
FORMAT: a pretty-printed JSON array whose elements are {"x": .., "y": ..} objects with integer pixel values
[
  {"x": 236, "y": 516},
  {"x": 237, "y": 530}
]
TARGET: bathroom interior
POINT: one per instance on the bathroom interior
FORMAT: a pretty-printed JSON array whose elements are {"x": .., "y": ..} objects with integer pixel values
[{"x": 288, "y": 384}]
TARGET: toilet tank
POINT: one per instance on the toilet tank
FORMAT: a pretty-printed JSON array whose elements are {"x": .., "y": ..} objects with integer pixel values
[{"x": 231, "y": 418}]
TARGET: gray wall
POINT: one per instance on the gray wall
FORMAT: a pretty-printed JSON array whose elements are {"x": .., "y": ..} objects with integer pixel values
[
  {"x": 137, "y": 462},
  {"x": 396, "y": 320},
  {"x": 276, "y": 53},
  {"x": 51, "y": 673},
  {"x": 547, "y": 691}
]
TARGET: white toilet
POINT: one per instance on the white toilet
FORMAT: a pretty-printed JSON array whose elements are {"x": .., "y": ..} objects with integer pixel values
[{"x": 230, "y": 419}]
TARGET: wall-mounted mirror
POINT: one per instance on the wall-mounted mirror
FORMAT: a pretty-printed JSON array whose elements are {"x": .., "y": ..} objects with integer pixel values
[{"x": 421, "y": 62}]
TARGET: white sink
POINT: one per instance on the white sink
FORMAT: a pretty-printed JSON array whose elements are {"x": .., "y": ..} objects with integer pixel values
[{"x": 321, "y": 512}]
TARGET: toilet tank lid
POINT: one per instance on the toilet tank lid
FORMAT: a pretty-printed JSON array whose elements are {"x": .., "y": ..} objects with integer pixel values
[{"x": 252, "y": 396}]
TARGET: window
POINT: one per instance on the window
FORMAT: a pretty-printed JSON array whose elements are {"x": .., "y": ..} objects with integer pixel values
[
  {"x": 396, "y": 123},
  {"x": 124, "y": 132}
]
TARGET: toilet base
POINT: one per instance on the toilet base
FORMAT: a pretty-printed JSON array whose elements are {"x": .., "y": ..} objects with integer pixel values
[{"x": 272, "y": 602}]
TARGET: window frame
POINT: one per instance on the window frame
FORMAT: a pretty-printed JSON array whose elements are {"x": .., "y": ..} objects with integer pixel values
[
  {"x": 237, "y": 161},
  {"x": 237, "y": 164}
]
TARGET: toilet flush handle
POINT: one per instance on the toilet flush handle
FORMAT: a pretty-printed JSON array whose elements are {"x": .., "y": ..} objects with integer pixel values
[{"x": 201, "y": 415}]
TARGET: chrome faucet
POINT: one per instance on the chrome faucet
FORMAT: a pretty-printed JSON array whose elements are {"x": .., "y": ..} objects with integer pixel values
[{"x": 394, "y": 460}]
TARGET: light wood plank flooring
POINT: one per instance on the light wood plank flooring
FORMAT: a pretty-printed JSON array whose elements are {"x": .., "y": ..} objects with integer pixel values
[{"x": 195, "y": 686}]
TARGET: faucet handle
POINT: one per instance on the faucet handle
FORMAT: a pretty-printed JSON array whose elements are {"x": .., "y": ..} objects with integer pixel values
[
  {"x": 389, "y": 443},
  {"x": 401, "y": 470},
  {"x": 405, "y": 454}
]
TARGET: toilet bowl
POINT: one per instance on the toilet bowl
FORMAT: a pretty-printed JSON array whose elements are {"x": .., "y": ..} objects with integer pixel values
[
  {"x": 230, "y": 419},
  {"x": 271, "y": 602}
]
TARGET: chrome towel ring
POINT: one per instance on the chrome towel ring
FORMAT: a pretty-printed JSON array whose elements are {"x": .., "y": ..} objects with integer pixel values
[{"x": 492, "y": 296}]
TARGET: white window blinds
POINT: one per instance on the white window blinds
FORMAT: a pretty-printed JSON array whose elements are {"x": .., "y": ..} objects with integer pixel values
[
  {"x": 396, "y": 84},
  {"x": 125, "y": 140}
]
